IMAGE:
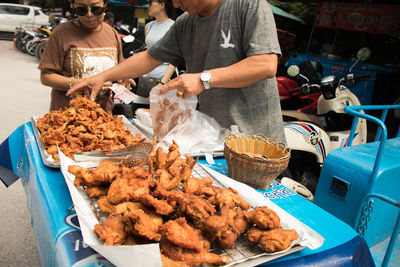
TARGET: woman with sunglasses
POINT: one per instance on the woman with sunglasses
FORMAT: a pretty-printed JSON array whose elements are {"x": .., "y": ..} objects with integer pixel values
[
  {"x": 78, "y": 49},
  {"x": 163, "y": 13}
]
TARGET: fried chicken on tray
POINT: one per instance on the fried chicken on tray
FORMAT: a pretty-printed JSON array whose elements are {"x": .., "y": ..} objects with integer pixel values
[
  {"x": 188, "y": 216},
  {"x": 83, "y": 126}
]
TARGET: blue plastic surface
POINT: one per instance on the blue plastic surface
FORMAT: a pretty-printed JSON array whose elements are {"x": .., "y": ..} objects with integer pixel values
[
  {"x": 60, "y": 242},
  {"x": 354, "y": 165}
]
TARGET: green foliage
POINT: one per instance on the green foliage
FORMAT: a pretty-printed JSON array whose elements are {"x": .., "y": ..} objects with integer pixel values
[{"x": 305, "y": 11}]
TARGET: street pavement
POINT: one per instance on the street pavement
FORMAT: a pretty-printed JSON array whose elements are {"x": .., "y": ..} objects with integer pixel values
[{"x": 22, "y": 96}]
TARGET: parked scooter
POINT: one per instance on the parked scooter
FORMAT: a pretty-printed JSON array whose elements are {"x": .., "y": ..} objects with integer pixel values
[
  {"x": 42, "y": 32},
  {"x": 294, "y": 92},
  {"x": 311, "y": 138},
  {"x": 25, "y": 37},
  {"x": 133, "y": 43}
]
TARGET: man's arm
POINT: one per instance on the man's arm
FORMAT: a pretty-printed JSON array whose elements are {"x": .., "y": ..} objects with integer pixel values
[
  {"x": 135, "y": 66},
  {"x": 243, "y": 73}
]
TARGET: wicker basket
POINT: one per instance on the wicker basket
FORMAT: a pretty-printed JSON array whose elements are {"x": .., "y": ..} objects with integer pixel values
[{"x": 255, "y": 159}]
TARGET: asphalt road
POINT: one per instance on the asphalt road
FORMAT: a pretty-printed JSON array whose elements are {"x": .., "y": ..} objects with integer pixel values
[{"x": 22, "y": 96}]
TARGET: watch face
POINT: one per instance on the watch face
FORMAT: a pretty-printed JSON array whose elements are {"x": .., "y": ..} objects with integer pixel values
[{"x": 205, "y": 76}]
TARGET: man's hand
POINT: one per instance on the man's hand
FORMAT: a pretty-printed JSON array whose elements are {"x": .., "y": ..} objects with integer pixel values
[
  {"x": 93, "y": 84},
  {"x": 187, "y": 84}
]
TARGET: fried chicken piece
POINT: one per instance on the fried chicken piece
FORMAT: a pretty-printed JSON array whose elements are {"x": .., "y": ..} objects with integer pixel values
[
  {"x": 179, "y": 233},
  {"x": 79, "y": 181},
  {"x": 78, "y": 171},
  {"x": 192, "y": 257},
  {"x": 229, "y": 197},
  {"x": 175, "y": 168},
  {"x": 122, "y": 190},
  {"x": 272, "y": 240},
  {"x": 187, "y": 169},
  {"x": 166, "y": 180},
  {"x": 264, "y": 218},
  {"x": 134, "y": 172},
  {"x": 161, "y": 206},
  {"x": 105, "y": 206},
  {"x": 52, "y": 150},
  {"x": 96, "y": 191},
  {"x": 111, "y": 230},
  {"x": 105, "y": 173},
  {"x": 77, "y": 130},
  {"x": 140, "y": 223},
  {"x": 160, "y": 158},
  {"x": 173, "y": 152},
  {"x": 167, "y": 262},
  {"x": 126, "y": 206},
  {"x": 193, "y": 185},
  {"x": 130, "y": 240},
  {"x": 225, "y": 228},
  {"x": 195, "y": 207},
  {"x": 209, "y": 191}
]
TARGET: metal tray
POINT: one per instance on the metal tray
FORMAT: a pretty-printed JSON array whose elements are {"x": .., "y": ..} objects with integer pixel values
[{"x": 48, "y": 159}]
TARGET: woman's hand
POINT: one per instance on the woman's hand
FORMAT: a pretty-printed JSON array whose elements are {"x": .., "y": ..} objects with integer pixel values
[
  {"x": 93, "y": 84},
  {"x": 187, "y": 84}
]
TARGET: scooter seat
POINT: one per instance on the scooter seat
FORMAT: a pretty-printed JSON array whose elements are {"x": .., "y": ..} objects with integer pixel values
[{"x": 292, "y": 115}]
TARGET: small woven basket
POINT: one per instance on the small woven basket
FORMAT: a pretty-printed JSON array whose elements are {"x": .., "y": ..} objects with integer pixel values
[{"x": 255, "y": 159}]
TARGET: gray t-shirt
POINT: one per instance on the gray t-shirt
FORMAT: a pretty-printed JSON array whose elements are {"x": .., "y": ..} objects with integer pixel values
[{"x": 236, "y": 30}]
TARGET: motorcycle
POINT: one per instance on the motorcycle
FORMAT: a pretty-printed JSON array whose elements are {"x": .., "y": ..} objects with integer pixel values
[
  {"x": 24, "y": 35},
  {"x": 18, "y": 36},
  {"x": 301, "y": 100},
  {"x": 132, "y": 39},
  {"x": 133, "y": 43},
  {"x": 40, "y": 47},
  {"x": 42, "y": 33},
  {"x": 312, "y": 137}
]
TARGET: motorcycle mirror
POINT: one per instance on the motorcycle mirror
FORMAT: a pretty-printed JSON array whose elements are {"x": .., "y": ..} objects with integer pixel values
[
  {"x": 134, "y": 30},
  {"x": 293, "y": 71},
  {"x": 363, "y": 54}
]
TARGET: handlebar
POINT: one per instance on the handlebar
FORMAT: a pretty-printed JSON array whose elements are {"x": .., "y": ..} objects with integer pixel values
[
  {"x": 350, "y": 77},
  {"x": 362, "y": 76}
]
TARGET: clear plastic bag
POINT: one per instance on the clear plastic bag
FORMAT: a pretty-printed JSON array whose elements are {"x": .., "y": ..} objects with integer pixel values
[{"x": 175, "y": 118}]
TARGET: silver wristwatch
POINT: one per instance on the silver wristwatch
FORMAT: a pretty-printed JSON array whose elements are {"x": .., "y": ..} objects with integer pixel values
[{"x": 205, "y": 78}]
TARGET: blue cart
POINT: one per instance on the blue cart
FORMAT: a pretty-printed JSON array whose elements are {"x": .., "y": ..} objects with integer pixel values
[{"x": 361, "y": 186}]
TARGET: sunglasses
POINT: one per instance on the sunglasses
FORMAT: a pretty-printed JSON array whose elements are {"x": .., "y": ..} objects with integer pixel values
[{"x": 83, "y": 10}]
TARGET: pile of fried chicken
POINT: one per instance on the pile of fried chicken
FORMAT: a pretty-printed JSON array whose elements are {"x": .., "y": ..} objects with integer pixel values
[
  {"x": 83, "y": 126},
  {"x": 162, "y": 202}
]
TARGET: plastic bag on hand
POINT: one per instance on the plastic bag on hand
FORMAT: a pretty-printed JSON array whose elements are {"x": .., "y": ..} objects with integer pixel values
[{"x": 175, "y": 118}]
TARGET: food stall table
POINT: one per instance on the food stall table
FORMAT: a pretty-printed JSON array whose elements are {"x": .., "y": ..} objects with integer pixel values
[{"x": 60, "y": 242}]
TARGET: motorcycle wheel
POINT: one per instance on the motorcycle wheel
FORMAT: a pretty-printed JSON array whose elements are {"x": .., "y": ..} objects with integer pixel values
[
  {"x": 30, "y": 48},
  {"x": 40, "y": 49},
  {"x": 304, "y": 169},
  {"x": 19, "y": 44}
]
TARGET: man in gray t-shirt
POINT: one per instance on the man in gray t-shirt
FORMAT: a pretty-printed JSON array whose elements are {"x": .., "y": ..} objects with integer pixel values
[{"x": 235, "y": 42}]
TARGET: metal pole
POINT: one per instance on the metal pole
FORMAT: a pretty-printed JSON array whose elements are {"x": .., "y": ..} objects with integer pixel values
[{"x": 309, "y": 39}]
